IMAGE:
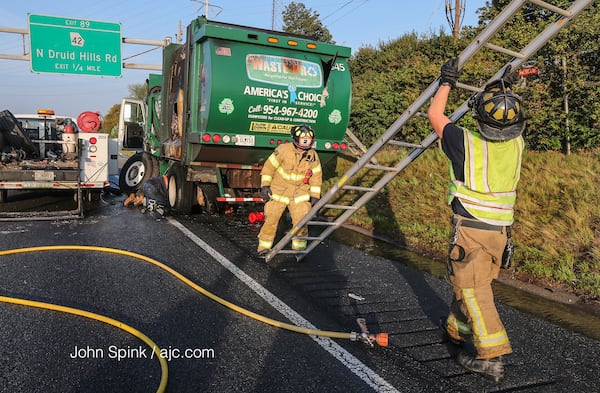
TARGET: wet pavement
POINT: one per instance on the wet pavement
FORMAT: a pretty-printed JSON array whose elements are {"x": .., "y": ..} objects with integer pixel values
[
  {"x": 331, "y": 288},
  {"x": 401, "y": 293}
]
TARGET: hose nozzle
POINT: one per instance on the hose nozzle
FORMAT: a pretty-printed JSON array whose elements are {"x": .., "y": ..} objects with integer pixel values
[{"x": 380, "y": 338}]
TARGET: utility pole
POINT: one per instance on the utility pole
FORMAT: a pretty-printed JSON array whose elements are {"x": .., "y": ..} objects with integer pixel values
[
  {"x": 455, "y": 15},
  {"x": 179, "y": 34},
  {"x": 273, "y": 16},
  {"x": 566, "y": 107}
]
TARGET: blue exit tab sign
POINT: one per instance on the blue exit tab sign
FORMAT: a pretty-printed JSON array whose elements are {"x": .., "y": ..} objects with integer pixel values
[{"x": 75, "y": 46}]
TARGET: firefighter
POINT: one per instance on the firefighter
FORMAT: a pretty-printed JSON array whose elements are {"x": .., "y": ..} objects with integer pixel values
[
  {"x": 485, "y": 168},
  {"x": 291, "y": 178}
]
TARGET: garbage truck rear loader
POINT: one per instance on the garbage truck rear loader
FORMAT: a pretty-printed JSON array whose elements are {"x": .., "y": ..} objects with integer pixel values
[{"x": 225, "y": 99}]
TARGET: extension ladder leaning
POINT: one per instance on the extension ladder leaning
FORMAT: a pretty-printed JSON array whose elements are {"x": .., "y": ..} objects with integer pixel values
[{"x": 362, "y": 194}]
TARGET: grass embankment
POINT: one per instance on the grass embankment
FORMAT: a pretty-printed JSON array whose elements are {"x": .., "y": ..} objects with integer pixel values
[{"x": 557, "y": 220}]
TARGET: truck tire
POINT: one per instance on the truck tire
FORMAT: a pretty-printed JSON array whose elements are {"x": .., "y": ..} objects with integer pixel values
[
  {"x": 210, "y": 192},
  {"x": 136, "y": 170},
  {"x": 181, "y": 191}
]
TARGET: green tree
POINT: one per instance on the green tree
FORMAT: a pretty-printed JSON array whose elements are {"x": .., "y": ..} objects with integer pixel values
[
  {"x": 110, "y": 122},
  {"x": 297, "y": 19},
  {"x": 138, "y": 90},
  {"x": 387, "y": 79}
]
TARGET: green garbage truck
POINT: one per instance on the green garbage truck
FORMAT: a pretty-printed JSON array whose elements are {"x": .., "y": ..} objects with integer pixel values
[{"x": 225, "y": 99}]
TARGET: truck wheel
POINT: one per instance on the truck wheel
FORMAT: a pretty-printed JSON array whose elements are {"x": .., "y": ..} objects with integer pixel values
[
  {"x": 136, "y": 170},
  {"x": 210, "y": 192},
  {"x": 181, "y": 191}
]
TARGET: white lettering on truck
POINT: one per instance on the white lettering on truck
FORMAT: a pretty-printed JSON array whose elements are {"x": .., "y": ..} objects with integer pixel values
[{"x": 266, "y": 92}]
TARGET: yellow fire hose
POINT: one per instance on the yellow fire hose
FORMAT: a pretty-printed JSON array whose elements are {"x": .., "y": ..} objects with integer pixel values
[
  {"x": 380, "y": 338},
  {"x": 75, "y": 311}
]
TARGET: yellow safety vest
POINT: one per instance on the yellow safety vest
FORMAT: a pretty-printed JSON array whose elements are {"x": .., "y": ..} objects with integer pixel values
[{"x": 492, "y": 171}]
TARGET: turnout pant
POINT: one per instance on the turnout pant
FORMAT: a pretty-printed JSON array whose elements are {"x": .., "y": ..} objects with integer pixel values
[
  {"x": 474, "y": 261},
  {"x": 273, "y": 212}
]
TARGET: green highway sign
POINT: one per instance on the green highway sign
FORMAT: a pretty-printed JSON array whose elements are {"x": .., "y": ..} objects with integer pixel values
[{"x": 74, "y": 46}]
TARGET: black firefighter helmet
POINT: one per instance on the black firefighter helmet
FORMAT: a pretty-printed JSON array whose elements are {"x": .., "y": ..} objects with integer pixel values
[
  {"x": 302, "y": 131},
  {"x": 499, "y": 112}
]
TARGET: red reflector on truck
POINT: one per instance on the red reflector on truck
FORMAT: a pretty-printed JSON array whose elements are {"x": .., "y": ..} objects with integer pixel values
[{"x": 93, "y": 141}]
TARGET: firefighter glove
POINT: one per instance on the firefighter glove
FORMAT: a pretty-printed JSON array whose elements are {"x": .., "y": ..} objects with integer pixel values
[
  {"x": 450, "y": 73},
  {"x": 313, "y": 201},
  {"x": 265, "y": 192}
]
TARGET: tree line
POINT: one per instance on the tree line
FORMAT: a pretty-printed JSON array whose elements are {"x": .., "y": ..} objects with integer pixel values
[{"x": 561, "y": 99}]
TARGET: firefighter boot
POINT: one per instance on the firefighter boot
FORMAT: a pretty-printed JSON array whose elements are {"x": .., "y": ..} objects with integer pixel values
[
  {"x": 263, "y": 253},
  {"x": 489, "y": 368}
]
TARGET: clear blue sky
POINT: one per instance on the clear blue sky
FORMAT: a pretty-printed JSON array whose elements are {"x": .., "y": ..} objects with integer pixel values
[{"x": 353, "y": 23}]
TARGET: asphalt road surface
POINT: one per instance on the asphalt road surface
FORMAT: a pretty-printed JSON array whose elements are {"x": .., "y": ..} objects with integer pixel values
[{"x": 212, "y": 348}]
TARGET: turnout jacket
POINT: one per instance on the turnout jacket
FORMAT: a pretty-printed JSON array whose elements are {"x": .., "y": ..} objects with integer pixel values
[{"x": 293, "y": 175}]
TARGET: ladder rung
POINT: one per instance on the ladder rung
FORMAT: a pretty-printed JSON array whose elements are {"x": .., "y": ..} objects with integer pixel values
[
  {"x": 380, "y": 167},
  {"x": 469, "y": 87},
  {"x": 552, "y": 8},
  {"x": 309, "y": 238},
  {"x": 504, "y": 50},
  {"x": 344, "y": 207},
  {"x": 289, "y": 251},
  {"x": 405, "y": 144},
  {"x": 358, "y": 188},
  {"x": 322, "y": 223}
]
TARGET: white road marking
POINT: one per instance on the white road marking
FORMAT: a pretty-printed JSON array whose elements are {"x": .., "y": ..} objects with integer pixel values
[{"x": 369, "y": 376}]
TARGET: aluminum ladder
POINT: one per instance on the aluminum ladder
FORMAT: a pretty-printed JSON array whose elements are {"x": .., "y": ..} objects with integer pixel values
[{"x": 362, "y": 194}]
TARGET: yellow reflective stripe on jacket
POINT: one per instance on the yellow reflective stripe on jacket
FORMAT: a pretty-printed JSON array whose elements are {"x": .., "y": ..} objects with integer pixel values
[
  {"x": 273, "y": 161},
  {"x": 317, "y": 169},
  {"x": 265, "y": 180},
  {"x": 295, "y": 177},
  {"x": 315, "y": 190},
  {"x": 489, "y": 191}
]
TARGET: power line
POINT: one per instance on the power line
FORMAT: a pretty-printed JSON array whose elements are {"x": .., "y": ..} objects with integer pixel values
[
  {"x": 349, "y": 11},
  {"x": 338, "y": 9}
]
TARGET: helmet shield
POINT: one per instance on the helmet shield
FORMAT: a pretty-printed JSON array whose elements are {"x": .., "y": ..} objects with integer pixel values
[{"x": 499, "y": 112}]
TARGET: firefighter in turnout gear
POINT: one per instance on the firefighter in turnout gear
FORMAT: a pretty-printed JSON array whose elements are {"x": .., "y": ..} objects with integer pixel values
[
  {"x": 485, "y": 168},
  {"x": 291, "y": 178}
]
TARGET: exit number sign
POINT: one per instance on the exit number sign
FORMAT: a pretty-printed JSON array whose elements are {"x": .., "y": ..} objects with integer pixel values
[{"x": 74, "y": 46}]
